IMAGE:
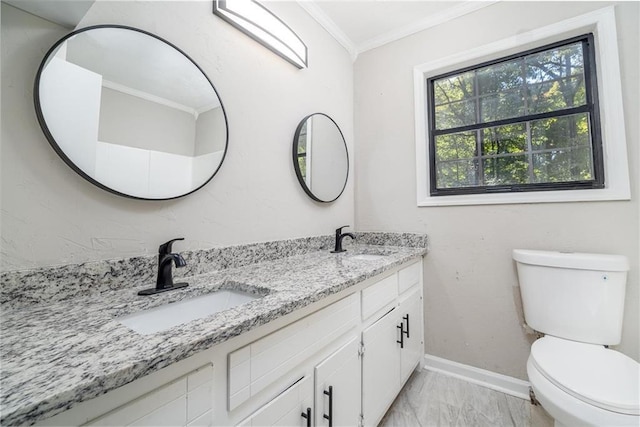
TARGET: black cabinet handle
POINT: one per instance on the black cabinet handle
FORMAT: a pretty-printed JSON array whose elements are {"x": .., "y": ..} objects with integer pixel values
[
  {"x": 330, "y": 416},
  {"x": 401, "y": 342},
  {"x": 307, "y": 416},
  {"x": 407, "y": 319}
]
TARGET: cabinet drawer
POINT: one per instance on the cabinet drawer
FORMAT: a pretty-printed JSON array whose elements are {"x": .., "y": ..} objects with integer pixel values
[
  {"x": 259, "y": 364},
  {"x": 180, "y": 402},
  {"x": 409, "y": 277},
  {"x": 379, "y": 295}
]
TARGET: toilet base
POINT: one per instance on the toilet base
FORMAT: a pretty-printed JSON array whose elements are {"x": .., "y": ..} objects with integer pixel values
[{"x": 569, "y": 411}]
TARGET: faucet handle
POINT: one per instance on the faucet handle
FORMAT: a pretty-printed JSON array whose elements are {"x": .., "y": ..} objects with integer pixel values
[
  {"x": 339, "y": 229},
  {"x": 165, "y": 248}
]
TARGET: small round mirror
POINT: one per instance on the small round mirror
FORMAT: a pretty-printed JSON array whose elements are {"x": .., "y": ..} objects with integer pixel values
[
  {"x": 131, "y": 113},
  {"x": 320, "y": 157}
]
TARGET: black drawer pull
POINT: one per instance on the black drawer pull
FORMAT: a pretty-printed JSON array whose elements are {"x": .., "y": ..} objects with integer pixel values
[
  {"x": 401, "y": 342},
  {"x": 307, "y": 416},
  {"x": 330, "y": 416},
  {"x": 407, "y": 319}
]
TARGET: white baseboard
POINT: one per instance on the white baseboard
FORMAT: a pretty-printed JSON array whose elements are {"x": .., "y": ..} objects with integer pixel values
[{"x": 503, "y": 383}]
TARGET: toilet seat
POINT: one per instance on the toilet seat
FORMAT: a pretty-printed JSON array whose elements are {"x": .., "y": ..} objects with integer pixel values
[{"x": 598, "y": 376}]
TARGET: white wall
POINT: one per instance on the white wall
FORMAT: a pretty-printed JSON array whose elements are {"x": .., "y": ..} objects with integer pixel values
[
  {"x": 51, "y": 216},
  {"x": 472, "y": 302},
  {"x": 136, "y": 122}
]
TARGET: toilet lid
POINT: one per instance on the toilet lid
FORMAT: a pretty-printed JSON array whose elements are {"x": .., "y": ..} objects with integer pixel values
[{"x": 592, "y": 373}]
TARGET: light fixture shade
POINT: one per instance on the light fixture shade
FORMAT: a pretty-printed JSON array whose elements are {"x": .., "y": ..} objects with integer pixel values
[{"x": 263, "y": 26}]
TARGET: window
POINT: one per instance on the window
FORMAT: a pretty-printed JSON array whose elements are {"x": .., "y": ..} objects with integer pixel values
[
  {"x": 527, "y": 122},
  {"x": 485, "y": 141}
]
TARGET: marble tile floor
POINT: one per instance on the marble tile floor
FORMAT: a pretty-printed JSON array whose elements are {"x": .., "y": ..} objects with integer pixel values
[{"x": 433, "y": 399}]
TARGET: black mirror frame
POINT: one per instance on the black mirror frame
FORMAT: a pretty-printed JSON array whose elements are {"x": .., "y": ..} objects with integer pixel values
[
  {"x": 296, "y": 166},
  {"x": 60, "y": 152}
]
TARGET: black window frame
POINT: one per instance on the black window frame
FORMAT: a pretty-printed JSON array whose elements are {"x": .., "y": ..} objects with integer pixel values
[{"x": 591, "y": 107}]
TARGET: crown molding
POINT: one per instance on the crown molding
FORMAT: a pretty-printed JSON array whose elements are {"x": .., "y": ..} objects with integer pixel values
[
  {"x": 330, "y": 26},
  {"x": 446, "y": 15}
]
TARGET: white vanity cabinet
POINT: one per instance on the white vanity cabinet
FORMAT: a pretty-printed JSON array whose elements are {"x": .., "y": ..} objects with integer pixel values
[
  {"x": 393, "y": 345},
  {"x": 338, "y": 362},
  {"x": 357, "y": 383}
]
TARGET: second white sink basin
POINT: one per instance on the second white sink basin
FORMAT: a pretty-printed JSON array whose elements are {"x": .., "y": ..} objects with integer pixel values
[{"x": 167, "y": 316}]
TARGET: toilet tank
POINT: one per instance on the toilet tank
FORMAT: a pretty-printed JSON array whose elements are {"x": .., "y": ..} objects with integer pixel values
[{"x": 576, "y": 296}]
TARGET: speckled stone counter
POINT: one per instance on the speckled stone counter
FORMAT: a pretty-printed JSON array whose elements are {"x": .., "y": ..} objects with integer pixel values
[{"x": 58, "y": 353}]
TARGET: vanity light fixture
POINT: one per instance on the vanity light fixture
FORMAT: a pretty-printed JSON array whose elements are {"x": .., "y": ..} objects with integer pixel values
[{"x": 260, "y": 24}]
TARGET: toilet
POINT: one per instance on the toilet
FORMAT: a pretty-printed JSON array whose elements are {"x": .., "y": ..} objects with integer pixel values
[{"x": 577, "y": 301}]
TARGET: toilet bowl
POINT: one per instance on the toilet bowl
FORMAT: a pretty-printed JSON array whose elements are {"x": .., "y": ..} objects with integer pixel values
[
  {"x": 582, "y": 384},
  {"x": 577, "y": 301}
]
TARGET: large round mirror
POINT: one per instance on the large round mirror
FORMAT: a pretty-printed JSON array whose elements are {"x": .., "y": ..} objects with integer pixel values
[
  {"x": 131, "y": 112},
  {"x": 320, "y": 157}
]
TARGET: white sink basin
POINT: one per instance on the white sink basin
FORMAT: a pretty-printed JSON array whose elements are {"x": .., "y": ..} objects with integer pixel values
[
  {"x": 167, "y": 316},
  {"x": 367, "y": 257}
]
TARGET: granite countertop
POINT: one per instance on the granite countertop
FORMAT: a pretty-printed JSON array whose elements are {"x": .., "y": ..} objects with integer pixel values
[{"x": 58, "y": 354}]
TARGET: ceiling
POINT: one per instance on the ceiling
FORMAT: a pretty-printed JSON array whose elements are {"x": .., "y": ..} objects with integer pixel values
[{"x": 359, "y": 25}]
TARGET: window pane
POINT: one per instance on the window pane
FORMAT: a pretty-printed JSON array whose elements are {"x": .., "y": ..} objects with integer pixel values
[
  {"x": 502, "y": 105},
  {"x": 454, "y": 88},
  {"x": 455, "y": 146},
  {"x": 504, "y": 139},
  {"x": 500, "y": 77},
  {"x": 556, "y": 95},
  {"x": 454, "y": 101},
  {"x": 563, "y": 166},
  {"x": 507, "y": 170},
  {"x": 455, "y": 174},
  {"x": 501, "y": 90},
  {"x": 555, "y": 79},
  {"x": 552, "y": 64},
  {"x": 561, "y": 132},
  {"x": 456, "y": 114}
]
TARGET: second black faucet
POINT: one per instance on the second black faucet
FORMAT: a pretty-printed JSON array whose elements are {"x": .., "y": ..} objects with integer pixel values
[{"x": 339, "y": 236}]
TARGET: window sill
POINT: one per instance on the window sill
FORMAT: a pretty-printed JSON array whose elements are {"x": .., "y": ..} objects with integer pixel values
[{"x": 595, "y": 195}]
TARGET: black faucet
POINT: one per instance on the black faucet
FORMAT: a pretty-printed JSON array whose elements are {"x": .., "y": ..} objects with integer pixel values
[
  {"x": 164, "y": 282},
  {"x": 339, "y": 236}
]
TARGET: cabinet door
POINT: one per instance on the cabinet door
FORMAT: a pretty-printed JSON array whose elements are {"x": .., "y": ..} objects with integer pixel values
[
  {"x": 412, "y": 351},
  {"x": 287, "y": 408},
  {"x": 380, "y": 366},
  {"x": 338, "y": 380}
]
